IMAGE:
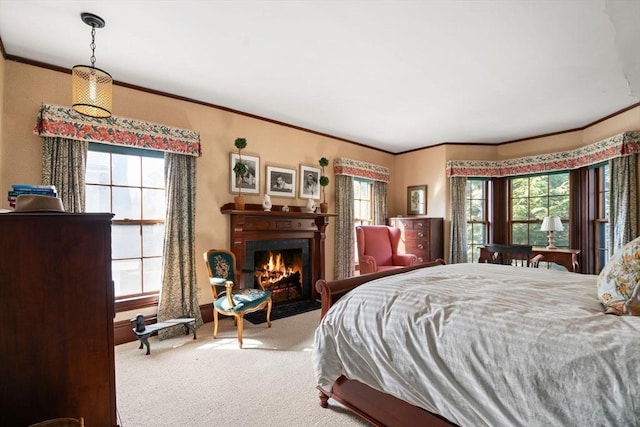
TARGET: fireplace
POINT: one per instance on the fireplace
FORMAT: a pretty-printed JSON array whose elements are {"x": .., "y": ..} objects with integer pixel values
[
  {"x": 280, "y": 265},
  {"x": 256, "y": 235}
]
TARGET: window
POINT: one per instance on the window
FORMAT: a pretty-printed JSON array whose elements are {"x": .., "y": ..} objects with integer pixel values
[
  {"x": 601, "y": 222},
  {"x": 530, "y": 200},
  {"x": 362, "y": 201},
  {"x": 130, "y": 183},
  {"x": 362, "y": 207},
  {"x": 476, "y": 208}
]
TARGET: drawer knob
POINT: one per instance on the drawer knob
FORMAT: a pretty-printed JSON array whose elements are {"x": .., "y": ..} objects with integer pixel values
[
  {"x": 420, "y": 246},
  {"x": 421, "y": 234},
  {"x": 420, "y": 224},
  {"x": 420, "y": 259}
]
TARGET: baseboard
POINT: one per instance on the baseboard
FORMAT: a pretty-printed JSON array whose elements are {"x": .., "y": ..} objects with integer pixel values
[{"x": 122, "y": 329}]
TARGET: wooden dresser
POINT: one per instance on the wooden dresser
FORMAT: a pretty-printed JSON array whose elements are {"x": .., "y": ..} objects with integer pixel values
[
  {"x": 56, "y": 315},
  {"x": 421, "y": 236}
]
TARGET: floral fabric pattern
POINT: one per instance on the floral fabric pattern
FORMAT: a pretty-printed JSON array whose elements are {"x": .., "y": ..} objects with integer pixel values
[
  {"x": 619, "y": 279},
  {"x": 342, "y": 166},
  {"x": 179, "y": 292},
  {"x": 620, "y": 145},
  {"x": 57, "y": 121},
  {"x": 222, "y": 267}
]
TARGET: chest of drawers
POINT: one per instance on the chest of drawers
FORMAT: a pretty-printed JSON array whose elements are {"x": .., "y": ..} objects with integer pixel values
[{"x": 421, "y": 236}]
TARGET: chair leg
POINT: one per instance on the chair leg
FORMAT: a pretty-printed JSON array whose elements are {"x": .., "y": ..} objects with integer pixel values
[
  {"x": 215, "y": 323},
  {"x": 269, "y": 313},
  {"x": 239, "y": 318}
]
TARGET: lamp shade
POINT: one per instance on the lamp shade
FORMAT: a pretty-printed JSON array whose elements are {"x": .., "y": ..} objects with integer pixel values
[
  {"x": 91, "y": 91},
  {"x": 551, "y": 223}
]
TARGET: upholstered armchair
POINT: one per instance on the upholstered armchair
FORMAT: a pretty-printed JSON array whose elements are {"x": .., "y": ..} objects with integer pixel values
[
  {"x": 223, "y": 274},
  {"x": 378, "y": 248}
]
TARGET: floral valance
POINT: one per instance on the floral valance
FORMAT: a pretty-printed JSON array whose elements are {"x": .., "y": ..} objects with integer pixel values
[
  {"x": 619, "y": 145},
  {"x": 342, "y": 166},
  {"x": 64, "y": 122}
]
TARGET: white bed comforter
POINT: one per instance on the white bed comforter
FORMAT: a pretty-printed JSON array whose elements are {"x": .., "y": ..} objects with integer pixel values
[{"x": 485, "y": 344}]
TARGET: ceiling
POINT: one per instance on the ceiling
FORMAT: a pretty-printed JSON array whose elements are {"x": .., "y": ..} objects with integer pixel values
[{"x": 394, "y": 75}]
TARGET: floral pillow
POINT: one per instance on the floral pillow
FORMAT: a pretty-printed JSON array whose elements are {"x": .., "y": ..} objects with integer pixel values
[{"x": 618, "y": 281}]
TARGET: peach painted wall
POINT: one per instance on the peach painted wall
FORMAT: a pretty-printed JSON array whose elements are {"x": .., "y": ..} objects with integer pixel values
[{"x": 27, "y": 87}]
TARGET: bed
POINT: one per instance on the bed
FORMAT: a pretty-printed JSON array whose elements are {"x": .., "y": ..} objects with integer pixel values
[{"x": 476, "y": 344}]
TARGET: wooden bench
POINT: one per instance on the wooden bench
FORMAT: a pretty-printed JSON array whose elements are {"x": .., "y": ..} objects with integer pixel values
[{"x": 143, "y": 331}]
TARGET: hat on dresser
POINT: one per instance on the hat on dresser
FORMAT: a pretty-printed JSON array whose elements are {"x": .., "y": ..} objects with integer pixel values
[{"x": 38, "y": 203}]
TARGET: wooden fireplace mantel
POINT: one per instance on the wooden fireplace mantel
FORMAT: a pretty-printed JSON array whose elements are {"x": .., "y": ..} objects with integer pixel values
[{"x": 254, "y": 223}]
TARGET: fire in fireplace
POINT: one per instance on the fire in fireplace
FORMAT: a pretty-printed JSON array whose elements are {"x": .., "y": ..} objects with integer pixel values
[
  {"x": 281, "y": 265},
  {"x": 281, "y": 272}
]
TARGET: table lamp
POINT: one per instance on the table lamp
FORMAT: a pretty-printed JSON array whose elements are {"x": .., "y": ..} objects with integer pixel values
[{"x": 551, "y": 224}]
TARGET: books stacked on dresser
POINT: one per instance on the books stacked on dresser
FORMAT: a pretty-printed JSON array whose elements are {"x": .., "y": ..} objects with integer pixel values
[{"x": 18, "y": 189}]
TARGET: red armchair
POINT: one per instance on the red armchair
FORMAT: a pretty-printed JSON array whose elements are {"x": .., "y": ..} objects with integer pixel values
[{"x": 378, "y": 248}]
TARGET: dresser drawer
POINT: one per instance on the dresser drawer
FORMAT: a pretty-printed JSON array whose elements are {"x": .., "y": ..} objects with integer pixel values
[
  {"x": 423, "y": 254},
  {"x": 400, "y": 223},
  {"x": 421, "y": 225},
  {"x": 418, "y": 234},
  {"x": 421, "y": 236}
]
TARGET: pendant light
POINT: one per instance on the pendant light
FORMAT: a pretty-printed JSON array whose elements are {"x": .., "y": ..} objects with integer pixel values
[{"x": 91, "y": 86}]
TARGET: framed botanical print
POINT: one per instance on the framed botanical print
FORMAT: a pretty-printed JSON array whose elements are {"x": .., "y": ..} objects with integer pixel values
[
  {"x": 250, "y": 182},
  {"x": 417, "y": 200},
  {"x": 309, "y": 182},
  {"x": 281, "y": 182}
]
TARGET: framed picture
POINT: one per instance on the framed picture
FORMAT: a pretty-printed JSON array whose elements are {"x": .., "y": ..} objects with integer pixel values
[
  {"x": 309, "y": 182},
  {"x": 417, "y": 200},
  {"x": 281, "y": 182},
  {"x": 250, "y": 182}
]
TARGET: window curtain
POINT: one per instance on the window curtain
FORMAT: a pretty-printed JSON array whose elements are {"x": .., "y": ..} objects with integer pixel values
[
  {"x": 458, "y": 235},
  {"x": 179, "y": 294},
  {"x": 64, "y": 163},
  {"x": 345, "y": 171},
  {"x": 379, "y": 202},
  {"x": 66, "y": 135},
  {"x": 344, "y": 253},
  {"x": 623, "y": 216}
]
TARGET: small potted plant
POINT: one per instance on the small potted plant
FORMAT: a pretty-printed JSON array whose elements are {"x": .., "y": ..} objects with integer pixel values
[
  {"x": 240, "y": 169},
  {"x": 324, "y": 181}
]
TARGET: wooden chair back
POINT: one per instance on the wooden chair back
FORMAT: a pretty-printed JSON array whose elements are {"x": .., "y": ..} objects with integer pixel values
[
  {"x": 516, "y": 255},
  {"x": 221, "y": 266}
]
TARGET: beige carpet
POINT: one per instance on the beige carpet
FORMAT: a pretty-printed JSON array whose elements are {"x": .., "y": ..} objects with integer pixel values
[{"x": 207, "y": 382}]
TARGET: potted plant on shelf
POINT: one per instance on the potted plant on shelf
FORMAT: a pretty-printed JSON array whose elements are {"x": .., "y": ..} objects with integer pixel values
[
  {"x": 324, "y": 181},
  {"x": 240, "y": 169}
]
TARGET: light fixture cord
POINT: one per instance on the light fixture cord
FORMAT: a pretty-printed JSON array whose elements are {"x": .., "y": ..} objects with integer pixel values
[{"x": 93, "y": 46}]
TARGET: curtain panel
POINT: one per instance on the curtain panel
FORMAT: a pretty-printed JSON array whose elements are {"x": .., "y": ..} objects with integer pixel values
[
  {"x": 458, "y": 233},
  {"x": 619, "y": 145},
  {"x": 179, "y": 294},
  {"x": 64, "y": 162},
  {"x": 623, "y": 214},
  {"x": 64, "y": 122},
  {"x": 344, "y": 251}
]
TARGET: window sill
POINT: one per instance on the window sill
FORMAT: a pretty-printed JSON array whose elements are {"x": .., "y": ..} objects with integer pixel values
[{"x": 128, "y": 304}]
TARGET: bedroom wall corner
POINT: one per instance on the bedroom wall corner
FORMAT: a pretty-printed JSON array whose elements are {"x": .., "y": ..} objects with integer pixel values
[{"x": 422, "y": 167}]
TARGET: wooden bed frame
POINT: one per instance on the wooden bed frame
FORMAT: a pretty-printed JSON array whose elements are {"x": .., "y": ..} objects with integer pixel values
[{"x": 378, "y": 408}]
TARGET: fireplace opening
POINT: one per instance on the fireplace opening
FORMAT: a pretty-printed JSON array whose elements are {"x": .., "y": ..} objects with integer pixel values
[
  {"x": 280, "y": 272},
  {"x": 282, "y": 266}
]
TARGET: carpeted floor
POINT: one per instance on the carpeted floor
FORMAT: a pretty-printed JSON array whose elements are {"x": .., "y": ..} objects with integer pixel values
[
  {"x": 211, "y": 382},
  {"x": 283, "y": 310}
]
